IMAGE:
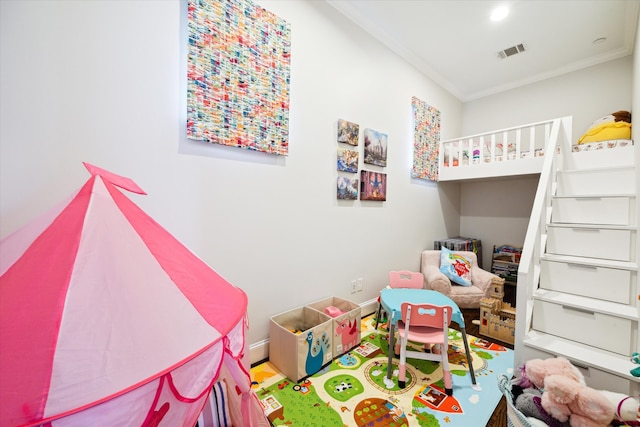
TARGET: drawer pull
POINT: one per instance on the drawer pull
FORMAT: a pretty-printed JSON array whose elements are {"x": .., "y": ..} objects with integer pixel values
[
  {"x": 583, "y": 369},
  {"x": 579, "y": 310},
  {"x": 582, "y": 266},
  {"x": 579, "y": 366},
  {"x": 586, "y": 230}
]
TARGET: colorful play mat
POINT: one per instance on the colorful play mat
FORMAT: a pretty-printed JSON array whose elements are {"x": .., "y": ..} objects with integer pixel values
[{"x": 353, "y": 389}]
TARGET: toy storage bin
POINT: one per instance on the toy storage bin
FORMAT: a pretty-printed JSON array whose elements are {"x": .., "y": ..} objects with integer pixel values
[
  {"x": 515, "y": 418},
  {"x": 346, "y": 326},
  {"x": 300, "y": 342}
]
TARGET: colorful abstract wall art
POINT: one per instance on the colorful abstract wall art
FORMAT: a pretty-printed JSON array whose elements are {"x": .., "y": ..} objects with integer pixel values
[
  {"x": 426, "y": 131},
  {"x": 375, "y": 148},
  {"x": 373, "y": 185},
  {"x": 348, "y": 132},
  {"x": 348, "y": 160},
  {"x": 238, "y": 75},
  {"x": 347, "y": 188}
]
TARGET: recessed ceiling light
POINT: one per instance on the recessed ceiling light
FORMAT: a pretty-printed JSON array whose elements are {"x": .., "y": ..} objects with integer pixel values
[{"x": 499, "y": 13}]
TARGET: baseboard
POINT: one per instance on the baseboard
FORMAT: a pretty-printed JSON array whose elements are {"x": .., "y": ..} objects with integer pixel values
[{"x": 259, "y": 351}]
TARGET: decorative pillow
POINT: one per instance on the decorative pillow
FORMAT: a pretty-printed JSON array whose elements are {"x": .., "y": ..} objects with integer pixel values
[
  {"x": 610, "y": 127},
  {"x": 455, "y": 266},
  {"x": 606, "y": 132}
]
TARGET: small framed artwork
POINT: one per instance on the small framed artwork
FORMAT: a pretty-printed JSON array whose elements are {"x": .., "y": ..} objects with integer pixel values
[
  {"x": 375, "y": 147},
  {"x": 348, "y": 160},
  {"x": 347, "y": 188},
  {"x": 348, "y": 132},
  {"x": 373, "y": 185}
]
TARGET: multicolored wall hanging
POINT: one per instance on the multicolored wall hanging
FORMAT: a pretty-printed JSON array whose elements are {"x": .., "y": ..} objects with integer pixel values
[
  {"x": 238, "y": 75},
  {"x": 426, "y": 131}
]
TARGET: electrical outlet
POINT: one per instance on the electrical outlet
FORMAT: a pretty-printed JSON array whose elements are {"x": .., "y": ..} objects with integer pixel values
[{"x": 354, "y": 286}]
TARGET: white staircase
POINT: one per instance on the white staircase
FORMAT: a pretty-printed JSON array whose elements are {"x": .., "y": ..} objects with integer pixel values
[{"x": 578, "y": 293}]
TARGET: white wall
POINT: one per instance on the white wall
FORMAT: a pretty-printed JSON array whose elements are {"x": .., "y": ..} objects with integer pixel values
[
  {"x": 587, "y": 95},
  {"x": 497, "y": 212},
  {"x": 103, "y": 82}
]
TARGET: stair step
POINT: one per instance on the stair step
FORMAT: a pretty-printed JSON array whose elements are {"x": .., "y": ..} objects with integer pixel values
[
  {"x": 599, "y": 169},
  {"x": 591, "y": 196},
  {"x": 587, "y": 304},
  {"x": 591, "y": 226},
  {"x": 587, "y": 182},
  {"x": 582, "y": 355},
  {"x": 594, "y": 209},
  {"x": 613, "y": 157},
  {"x": 595, "y": 262}
]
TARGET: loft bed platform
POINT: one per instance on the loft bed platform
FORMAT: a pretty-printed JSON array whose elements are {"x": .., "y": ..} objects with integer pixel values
[{"x": 521, "y": 151}]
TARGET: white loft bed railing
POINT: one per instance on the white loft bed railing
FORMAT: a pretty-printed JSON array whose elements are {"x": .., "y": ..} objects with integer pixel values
[{"x": 513, "y": 151}]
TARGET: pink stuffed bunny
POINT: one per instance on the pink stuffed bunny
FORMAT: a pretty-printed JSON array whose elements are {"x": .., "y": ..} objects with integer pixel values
[
  {"x": 567, "y": 399},
  {"x": 536, "y": 370}
]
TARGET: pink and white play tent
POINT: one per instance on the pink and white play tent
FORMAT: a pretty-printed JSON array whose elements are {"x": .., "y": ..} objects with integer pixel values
[{"x": 107, "y": 320}]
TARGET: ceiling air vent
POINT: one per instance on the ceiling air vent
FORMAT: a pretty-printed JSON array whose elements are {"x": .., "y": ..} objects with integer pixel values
[{"x": 510, "y": 51}]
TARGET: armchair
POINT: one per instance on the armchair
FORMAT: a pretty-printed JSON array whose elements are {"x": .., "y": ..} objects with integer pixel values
[{"x": 464, "y": 296}]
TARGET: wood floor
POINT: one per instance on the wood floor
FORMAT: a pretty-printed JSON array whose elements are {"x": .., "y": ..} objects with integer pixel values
[{"x": 499, "y": 417}]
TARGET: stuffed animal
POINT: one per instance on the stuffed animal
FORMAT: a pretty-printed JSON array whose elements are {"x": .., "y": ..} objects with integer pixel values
[
  {"x": 567, "y": 399},
  {"x": 529, "y": 402},
  {"x": 612, "y": 126},
  {"x": 534, "y": 371},
  {"x": 627, "y": 410}
]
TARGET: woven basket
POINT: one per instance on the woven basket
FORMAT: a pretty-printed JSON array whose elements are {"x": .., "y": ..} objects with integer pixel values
[{"x": 515, "y": 418}]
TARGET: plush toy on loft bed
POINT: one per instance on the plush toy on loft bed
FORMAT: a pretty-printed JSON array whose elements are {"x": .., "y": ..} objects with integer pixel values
[{"x": 611, "y": 127}]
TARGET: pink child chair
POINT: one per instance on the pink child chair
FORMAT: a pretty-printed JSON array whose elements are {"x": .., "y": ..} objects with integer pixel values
[
  {"x": 402, "y": 279},
  {"x": 427, "y": 324}
]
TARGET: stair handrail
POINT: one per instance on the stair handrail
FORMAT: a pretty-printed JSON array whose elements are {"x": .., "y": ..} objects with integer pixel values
[{"x": 535, "y": 239}]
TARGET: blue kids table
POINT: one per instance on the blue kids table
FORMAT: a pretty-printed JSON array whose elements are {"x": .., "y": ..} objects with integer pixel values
[{"x": 391, "y": 300}]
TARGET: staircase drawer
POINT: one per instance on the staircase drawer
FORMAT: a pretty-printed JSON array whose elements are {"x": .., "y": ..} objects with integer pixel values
[
  {"x": 594, "y": 377},
  {"x": 614, "y": 244},
  {"x": 593, "y": 210},
  {"x": 597, "y": 181},
  {"x": 584, "y": 326},
  {"x": 609, "y": 284}
]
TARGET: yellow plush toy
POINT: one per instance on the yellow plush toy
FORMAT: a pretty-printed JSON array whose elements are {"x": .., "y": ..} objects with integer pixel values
[{"x": 610, "y": 127}]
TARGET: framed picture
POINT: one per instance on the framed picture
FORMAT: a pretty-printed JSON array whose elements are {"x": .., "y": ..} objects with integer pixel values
[
  {"x": 347, "y": 188},
  {"x": 348, "y": 132},
  {"x": 348, "y": 160},
  {"x": 373, "y": 185},
  {"x": 375, "y": 148}
]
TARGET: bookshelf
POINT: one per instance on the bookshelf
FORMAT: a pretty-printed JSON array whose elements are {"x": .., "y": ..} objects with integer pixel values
[
  {"x": 505, "y": 260},
  {"x": 460, "y": 243}
]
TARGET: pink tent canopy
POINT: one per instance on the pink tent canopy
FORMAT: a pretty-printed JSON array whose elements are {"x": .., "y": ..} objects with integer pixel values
[{"x": 106, "y": 319}]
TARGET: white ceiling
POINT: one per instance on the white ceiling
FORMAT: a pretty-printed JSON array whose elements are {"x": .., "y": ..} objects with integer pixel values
[{"x": 456, "y": 44}]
